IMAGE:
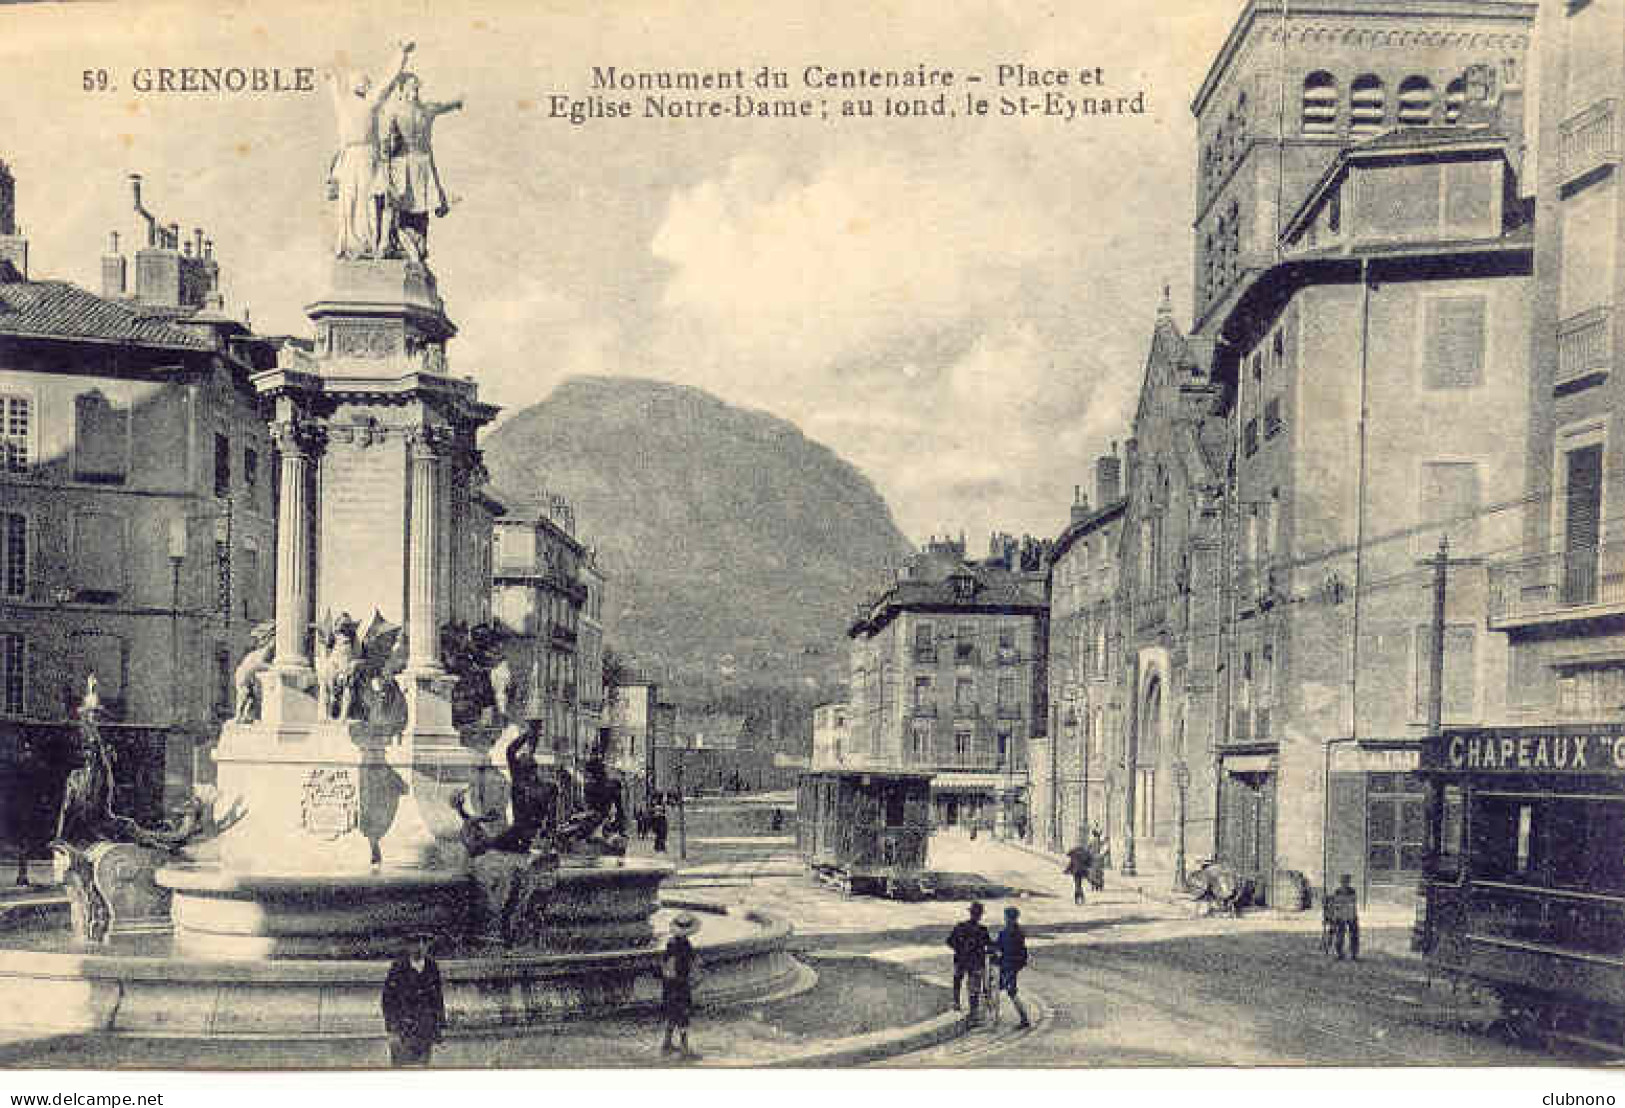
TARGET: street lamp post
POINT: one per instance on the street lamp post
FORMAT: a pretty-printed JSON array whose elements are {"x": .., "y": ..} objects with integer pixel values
[{"x": 1182, "y": 784}]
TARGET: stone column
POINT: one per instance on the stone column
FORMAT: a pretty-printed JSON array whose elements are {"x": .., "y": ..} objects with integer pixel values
[
  {"x": 298, "y": 443},
  {"x": 426, "y": 445}
]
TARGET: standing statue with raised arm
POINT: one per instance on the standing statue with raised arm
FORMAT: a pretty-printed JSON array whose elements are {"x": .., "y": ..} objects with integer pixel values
[
  {"x": 406, "y": 128},
  {"x": 356, "y": 179}
]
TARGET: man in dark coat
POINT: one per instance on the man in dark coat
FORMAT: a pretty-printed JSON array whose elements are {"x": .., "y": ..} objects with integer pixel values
[
  {"x": 659, "y": 825},
  {"x": 414, "y": 1006},
  {"x": 1078, "y": 863},
  {"x": 970, "y": 941},
  {"x": 1344, "y": 912},
  {"x": 1011, "y": 951}
]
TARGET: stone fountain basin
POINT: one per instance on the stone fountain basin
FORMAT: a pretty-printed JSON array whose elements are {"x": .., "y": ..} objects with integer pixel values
[
  {"x": 598, "y": 904},
  {"x": 141, "y": 986}
]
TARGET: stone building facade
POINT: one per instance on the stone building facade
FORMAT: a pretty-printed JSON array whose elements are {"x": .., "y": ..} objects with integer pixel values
[
  {"x": 537, "y": 596},
  {"x": 831, "y": 737},
  {"x": 1371, "y": 379},
  {"x": 1560, "y": 598},
  {"x": 947, "y": 675},
  {"x": 1170, "y": 574},
  {"x": 1298, "y": 80},
  {"x": 1071, "y": 762},
  {"x": 137, "y": 491}
]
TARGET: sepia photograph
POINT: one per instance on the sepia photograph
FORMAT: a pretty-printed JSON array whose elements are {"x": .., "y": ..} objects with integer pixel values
[{"x": 978, "y": 549}]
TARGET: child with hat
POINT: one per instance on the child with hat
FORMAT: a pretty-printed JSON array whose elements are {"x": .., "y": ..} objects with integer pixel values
[{"x": 677, "y": 983}]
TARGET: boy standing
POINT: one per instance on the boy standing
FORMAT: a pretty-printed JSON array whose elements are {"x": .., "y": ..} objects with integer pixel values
[
  {"x": 1344, "y": 910},
  {"x": 1012, "y": 955},
  {"x": 677, "y": 984},
  {"x": 970, "y": 942}
]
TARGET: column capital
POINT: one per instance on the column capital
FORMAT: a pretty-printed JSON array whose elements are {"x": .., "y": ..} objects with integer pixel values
[
  {"x": 298, "y": 436},
  {"x": 428, "y": 441}
]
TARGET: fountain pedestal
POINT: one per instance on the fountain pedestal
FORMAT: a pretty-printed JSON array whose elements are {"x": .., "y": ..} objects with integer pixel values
[{"x": 349, "y": 841}]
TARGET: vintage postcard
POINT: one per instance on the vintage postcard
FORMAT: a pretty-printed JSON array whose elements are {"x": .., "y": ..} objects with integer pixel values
[{"x": 685, "y": 537}]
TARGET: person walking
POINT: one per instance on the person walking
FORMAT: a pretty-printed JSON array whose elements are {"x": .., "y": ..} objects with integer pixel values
[
  {"x": 414, "y": 1006},
  {"x": 1343, "y": 908},
  {"x": 659, "y": 825},
  {"x": 677, "y": 984},
  {"x": 1077, "y": 867},
  {"x": 1011, "y": 952},
  {"x": 970, "y": 943}
]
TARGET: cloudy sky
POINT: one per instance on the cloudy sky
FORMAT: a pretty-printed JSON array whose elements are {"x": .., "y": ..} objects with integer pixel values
[{"x": 959, "y": 307}]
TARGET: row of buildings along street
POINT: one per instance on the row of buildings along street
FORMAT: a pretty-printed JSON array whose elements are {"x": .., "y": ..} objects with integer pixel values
[{"x": 1402, "y": 348}]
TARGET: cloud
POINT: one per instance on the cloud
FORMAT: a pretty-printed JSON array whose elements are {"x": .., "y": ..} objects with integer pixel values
[{"x": 876, "y": 302}]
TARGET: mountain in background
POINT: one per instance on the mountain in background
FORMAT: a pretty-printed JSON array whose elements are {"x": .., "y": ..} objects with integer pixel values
[{"x": 737, "y": 549}]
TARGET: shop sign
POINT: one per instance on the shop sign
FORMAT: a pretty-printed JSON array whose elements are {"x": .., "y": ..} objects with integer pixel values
[{"x": 1529, "y": 750}]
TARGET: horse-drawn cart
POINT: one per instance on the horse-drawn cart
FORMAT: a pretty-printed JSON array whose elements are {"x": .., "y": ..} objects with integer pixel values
[{"x": 865, "y": 831}]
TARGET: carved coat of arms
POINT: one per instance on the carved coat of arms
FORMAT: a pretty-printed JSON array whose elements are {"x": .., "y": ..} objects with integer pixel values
[{"x": 332, "y": 803}]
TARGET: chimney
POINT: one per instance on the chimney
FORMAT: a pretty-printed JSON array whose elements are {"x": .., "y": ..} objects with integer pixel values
[
  {"x": 114, "y": 270},
  {"x": 1080, "y": 504},
  {"x": 13, "y": 246},
  {"x": 8, "y": 201},
  {"x": 1108, "y": 478}
]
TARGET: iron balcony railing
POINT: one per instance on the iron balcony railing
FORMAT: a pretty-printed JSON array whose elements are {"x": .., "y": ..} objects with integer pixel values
[
  {"x": 1588, "y": 140},
  {"x": 1559, "y": 585},
  {"x": 1584, "y": 346}
]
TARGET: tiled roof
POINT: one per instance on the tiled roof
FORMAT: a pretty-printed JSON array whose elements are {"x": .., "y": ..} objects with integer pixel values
[{"x": 58, "y": 310}]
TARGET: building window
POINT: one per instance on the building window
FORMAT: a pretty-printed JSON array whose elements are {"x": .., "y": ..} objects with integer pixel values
[
  {"x": 922, "y": 692},
  {"x": 1415, "y": 102},
  {"x": 1007, "y": 692},
  {"x": 222, "y": 683},
  {"x": 1449, "y": 502},
  {"x": 13, "y": 673},
  {"x": 919, "y": 738},
  {"x": 99, "y": 562},
  {"x": 1460, "y": 669},
  {"x": 964, "y": 692},
  {"x": 1249, "y": 438},
  {"x": 1453, "y": 357},
  {"x": 1006, "y": 748},
  {"x": 100, "y": 439},
  {"x": 1367, "y": 105},
  {"x": 222, "y": 465},
  {"x": 923, "y": 649},
  {"x": 964, "y": 740},
  {"x": 1396, "y": 827},
  {"x": 16, "y": 430},
  {"x": 251, "y": 468},
  {"x": 1272, "y": 417},
  {"x": 1320, "y": 104},
  {"x": 14, "y": 569}
]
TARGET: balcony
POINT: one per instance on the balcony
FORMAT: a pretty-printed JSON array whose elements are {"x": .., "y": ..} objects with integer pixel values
[
  {"x": 923, "y": 711},
  {"x": 965, "y": 653},
  {"x": 1584, "y": 347},
  {"x": 1565, "y": 586},
  {"x": 967, "y": 711},
  {"x": 1009, "y": 711},
  {"x": 1588, "y": 141},
  {"x": 926, "y": 654}
]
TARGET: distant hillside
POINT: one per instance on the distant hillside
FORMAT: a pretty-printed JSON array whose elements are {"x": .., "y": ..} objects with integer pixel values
[{"x": 737, "y": 548}]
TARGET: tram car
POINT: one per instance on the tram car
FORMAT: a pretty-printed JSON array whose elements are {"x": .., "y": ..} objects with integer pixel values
[
  {"x": 1523, "y": 889},
  {"x": 866, "y": 831}
]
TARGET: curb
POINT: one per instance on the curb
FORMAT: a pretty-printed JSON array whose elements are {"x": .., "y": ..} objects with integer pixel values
[{"x": 857, "y": 1050}]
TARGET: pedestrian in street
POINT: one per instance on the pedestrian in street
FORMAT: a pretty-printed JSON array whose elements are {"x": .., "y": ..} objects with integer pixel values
[
  {"x": 970, "y": 943},
  {"x": 1077, "y": 866},
  {"x": 677, "y": 978},
  {"x": 1344, "y": 910},
  {"x": 1011, "y": 951},
  {"x": 658, "y": 824},
  {"x": 1100, "y": 857},
  {"x": 414, "y": 1005}
]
